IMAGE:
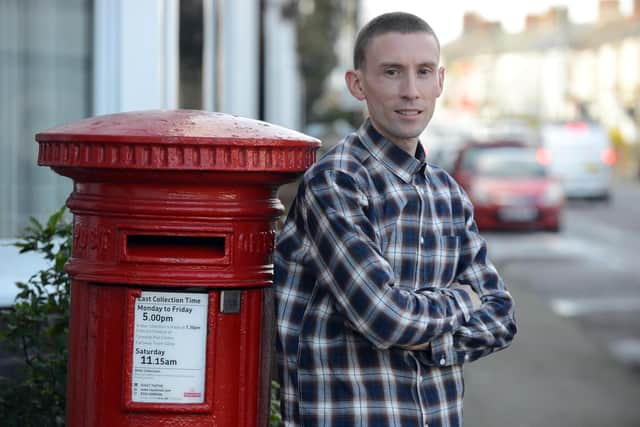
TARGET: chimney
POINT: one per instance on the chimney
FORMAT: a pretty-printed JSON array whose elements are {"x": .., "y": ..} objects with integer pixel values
[
  {"x": 471, "y": 22},
  {"x": 557, "y": 16},
  {"x": 474, "y": 24},
  {"x": 609, "y": 10},
  {"x": 532, "y": 22}
]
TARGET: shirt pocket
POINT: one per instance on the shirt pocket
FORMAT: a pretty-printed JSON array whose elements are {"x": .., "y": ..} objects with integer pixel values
[
  {"x": 443, "y": 256},
  {"x": 389, "y": 210}
]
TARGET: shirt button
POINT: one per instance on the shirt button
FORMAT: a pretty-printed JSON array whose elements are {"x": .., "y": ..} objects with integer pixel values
[
  {"x": 466, "y": 357},
  {"x": 442, "y": 361},
  {"x": 421, "y": 240}
]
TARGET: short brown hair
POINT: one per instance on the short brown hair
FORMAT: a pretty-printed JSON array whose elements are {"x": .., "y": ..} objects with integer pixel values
[{"x": 393, "y": 22}]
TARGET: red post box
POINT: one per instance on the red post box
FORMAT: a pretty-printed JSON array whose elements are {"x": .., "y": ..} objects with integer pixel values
[{"x": 173, "y": 215}]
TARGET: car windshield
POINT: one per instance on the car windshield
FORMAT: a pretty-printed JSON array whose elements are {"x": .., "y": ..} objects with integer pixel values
[{"x": 507, "y": 162}]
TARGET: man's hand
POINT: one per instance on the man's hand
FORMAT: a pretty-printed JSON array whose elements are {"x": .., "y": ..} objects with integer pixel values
[
  {"x": 476, "y": 303},
  {"x": 418, "y": 347}
]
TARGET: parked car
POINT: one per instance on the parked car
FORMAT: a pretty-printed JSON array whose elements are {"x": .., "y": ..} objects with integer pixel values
[
  {"x": 510, "y": 186},
  {"x": 582, "y": 156}
]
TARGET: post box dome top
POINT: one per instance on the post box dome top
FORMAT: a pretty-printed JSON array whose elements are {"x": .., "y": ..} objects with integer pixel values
[
  {"x": 175, "y": 139},
  {"x": 173, "y": 126}
]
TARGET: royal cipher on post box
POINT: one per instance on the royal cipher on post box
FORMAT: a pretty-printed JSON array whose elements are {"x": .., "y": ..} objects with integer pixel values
[{"x": 174, "y": 216}]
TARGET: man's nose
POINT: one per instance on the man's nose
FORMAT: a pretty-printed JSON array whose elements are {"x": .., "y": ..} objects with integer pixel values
[{"x": 409, "y": 87}]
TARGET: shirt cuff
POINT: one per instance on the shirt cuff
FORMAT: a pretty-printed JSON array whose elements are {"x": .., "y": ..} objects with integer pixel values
[
  {"x": 442, "y": 353},
  {"x": 464, "y": 302},
  {"x": 442, "y": 350}
]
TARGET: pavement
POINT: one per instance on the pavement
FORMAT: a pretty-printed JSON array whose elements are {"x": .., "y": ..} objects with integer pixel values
[{"x": 553, "y": 375}]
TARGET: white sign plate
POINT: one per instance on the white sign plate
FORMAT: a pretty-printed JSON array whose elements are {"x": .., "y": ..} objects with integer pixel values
[{"x": 169, "y": 347}]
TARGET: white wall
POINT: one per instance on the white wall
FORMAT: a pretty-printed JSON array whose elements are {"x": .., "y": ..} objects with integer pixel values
[
  {"x": 135, "y": 55},
  {"x": 283, "y": 86},
  {"x": 240, "y": 44}
]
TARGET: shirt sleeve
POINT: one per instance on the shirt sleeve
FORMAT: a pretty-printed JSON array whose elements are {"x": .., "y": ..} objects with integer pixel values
[
  {"x": 351, "y": 267},
  {"x": 488, "y": 329}
]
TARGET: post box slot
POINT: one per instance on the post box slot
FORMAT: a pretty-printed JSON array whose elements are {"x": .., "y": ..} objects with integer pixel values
[{"x": 188, "y": 247}]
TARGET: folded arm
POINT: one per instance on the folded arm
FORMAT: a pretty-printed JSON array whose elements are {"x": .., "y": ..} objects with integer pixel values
[
  {"x": 351, "y": 267},
  {"x": 492, "y": 326}
]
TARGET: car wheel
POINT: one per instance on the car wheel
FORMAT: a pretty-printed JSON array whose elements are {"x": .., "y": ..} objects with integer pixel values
[{"x": 554, "y": 228}]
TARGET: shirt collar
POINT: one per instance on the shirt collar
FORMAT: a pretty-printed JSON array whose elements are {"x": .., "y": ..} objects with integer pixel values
[{"x": 393, "y": 157}]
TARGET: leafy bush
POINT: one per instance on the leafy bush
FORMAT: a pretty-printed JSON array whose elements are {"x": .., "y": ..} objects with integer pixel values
[
  {"x": 37, "y": 328},
  {"x": 275, "y": 419}
]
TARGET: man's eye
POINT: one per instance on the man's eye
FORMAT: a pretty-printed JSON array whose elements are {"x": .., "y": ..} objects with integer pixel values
[
  {"x": 391, "y": 72},
  {"x": 424, "y": 71}
]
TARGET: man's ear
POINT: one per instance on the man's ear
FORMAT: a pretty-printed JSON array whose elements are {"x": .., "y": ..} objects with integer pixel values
[
  {"x": 440, "y": 80},
  {"x": 354, "y": 84}
]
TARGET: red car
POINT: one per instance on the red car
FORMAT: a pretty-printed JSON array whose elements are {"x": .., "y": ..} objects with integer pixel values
[{"x": 510, "y": 186}]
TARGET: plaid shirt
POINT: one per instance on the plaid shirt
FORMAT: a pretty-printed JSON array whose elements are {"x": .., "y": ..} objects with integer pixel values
[{"x": 363, "y": 266}]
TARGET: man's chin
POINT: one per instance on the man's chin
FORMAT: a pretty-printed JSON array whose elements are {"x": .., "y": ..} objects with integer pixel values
[
  {"x": 412, "y": 133},
  {"x": 401, "y": 132}
]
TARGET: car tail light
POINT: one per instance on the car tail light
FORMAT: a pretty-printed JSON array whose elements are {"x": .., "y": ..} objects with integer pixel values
[
  {"x": 543, "y": 156},
  {"x": 577, "y": 126},
  {"x": 608, "y": 156}
]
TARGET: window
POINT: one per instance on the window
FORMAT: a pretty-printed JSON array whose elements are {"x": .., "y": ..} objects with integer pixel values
[
  {"x": 191, "y": 44},
  {"x": 45, "y": 81}
]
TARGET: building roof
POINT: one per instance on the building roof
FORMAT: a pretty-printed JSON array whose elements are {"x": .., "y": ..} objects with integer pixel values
[{"x": 561, "y": 35}]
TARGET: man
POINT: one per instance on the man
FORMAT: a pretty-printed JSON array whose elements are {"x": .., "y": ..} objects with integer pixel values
[{"x": 383, "y": 285}]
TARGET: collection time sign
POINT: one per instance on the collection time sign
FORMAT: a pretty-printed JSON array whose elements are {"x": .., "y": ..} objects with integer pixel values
[{"x": 169, "y": 347}]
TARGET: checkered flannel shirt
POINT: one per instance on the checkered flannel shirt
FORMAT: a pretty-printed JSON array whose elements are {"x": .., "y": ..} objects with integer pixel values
[{"x": 363, "y": 268}]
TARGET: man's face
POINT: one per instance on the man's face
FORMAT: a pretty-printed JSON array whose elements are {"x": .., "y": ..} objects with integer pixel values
[{"x": 400, "y": 81}]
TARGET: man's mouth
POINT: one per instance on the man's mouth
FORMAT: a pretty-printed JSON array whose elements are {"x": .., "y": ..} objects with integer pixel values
[{"x": 409, "y": 112}]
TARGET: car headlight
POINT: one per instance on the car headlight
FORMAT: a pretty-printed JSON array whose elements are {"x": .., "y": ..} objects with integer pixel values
[{"x": 480, "y": 193}]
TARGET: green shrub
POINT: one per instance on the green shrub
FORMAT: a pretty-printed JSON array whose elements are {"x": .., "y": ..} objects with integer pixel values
[
  {"x": 37, "y": 328},
  {"x": 275, "y": 419}
]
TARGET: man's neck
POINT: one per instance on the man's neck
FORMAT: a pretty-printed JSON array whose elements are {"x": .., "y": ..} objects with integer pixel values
[{"x": 410, "y": 146}]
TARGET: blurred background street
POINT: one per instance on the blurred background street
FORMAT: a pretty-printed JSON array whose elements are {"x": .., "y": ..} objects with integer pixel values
[{"x": 576, "y": 360}]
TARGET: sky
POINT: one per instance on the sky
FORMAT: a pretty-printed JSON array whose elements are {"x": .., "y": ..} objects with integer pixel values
[{"x": 446, "y": 17}]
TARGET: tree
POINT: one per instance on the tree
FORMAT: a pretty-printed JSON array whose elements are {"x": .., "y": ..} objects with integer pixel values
[{"x": 318, "y": 26}]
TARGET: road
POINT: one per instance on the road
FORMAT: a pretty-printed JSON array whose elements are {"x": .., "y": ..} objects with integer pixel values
[{"x": 576, "y": 359}]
